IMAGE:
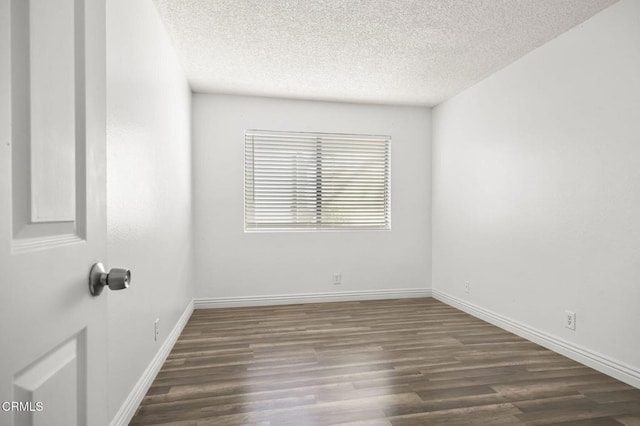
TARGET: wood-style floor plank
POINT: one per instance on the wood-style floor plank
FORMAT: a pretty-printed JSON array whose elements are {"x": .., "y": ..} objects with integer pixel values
[{"x": 376, "y": 363}]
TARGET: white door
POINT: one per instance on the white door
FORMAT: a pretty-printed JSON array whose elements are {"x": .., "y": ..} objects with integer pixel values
[{"x": 52, "y": 212}]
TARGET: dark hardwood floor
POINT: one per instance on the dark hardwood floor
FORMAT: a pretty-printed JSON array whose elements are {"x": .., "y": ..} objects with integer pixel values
[{"x": 391, "y": 362}]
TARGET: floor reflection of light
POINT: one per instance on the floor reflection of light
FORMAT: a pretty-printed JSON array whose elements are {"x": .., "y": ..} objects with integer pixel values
[{"x": 335, "y": 395}]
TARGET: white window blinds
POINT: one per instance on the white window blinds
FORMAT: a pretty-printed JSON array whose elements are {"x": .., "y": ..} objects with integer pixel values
[{"x": 316, "y": 181}]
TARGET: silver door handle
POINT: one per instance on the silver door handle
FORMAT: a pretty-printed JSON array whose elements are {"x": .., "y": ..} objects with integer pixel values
[{"x": 116, "y": 279}]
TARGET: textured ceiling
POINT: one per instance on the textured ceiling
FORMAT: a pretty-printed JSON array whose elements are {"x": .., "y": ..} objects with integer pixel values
[{"x": 418, "y": 52}]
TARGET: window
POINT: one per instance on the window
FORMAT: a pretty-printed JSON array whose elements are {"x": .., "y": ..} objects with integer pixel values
[{"x": 316, "y": 181}]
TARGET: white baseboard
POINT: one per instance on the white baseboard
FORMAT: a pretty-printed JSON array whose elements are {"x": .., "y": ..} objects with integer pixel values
[
  {"x": 133, "y": 400},
  {"x": 604, "y": 364},
  {"x": 288, "y": 299}
]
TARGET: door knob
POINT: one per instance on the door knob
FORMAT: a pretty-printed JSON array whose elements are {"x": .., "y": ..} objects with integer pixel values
[{"x": 115, "y": 279}]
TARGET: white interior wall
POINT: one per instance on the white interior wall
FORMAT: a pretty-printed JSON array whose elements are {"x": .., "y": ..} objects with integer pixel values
[
  {"x": 536, "y": 188},
  {"x": 233, "y": 264},
  {"x": 149, "y": 189}
]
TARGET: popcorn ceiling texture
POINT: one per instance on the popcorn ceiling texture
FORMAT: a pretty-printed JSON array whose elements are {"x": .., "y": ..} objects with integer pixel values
[{"x": 416, "y": 52}]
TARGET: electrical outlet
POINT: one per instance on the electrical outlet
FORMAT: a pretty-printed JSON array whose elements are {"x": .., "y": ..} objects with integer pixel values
[
  {"x": 570, "y": 320},
  {"x": 156, "y": 326},
  {"x": 467, "y": 287},
  {"x": 337, "y": 278}
]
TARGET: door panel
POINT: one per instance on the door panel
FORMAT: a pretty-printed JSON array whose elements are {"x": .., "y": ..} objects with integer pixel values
[
  {"x": 52, "y": 212},
  {"x": 53, "y": 53},
  {"x": 43, "y": 380},
  {"x": 47, "y": 116}
]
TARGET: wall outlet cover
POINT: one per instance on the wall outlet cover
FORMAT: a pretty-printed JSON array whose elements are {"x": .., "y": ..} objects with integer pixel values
[
  {"x": 570, "y": 320},
  {"x": 156, "y": 327}
]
